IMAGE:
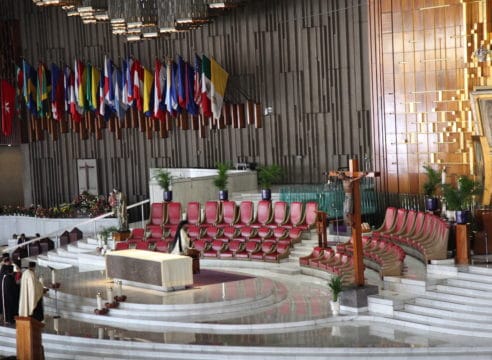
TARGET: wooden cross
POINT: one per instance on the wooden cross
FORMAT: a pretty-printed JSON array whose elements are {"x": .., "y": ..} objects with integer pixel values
[
  {"x": 356, "y": 175},
  {"x": 86, "y": 167}
]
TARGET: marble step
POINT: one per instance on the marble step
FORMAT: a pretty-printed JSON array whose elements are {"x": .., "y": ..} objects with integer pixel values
[
  {"x": 456, "y": 298},
  {"x": 452, "y": 314},
  {"x": 78, "y": 249},
  {"x": 480, "y": 270},
  {"x": 65, "y": 253},
  {"x": 57, "y": 258},
  {"x": 428, "y": 319},
  {"x": 449, "y": 305},
  {"x": 469, "y": 284},
  {"x": 464, "y": 292}
]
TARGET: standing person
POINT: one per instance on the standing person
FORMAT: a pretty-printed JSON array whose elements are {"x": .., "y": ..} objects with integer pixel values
[
  {"x": 9, "y": 294},
  {"x": 117, "y": 200},
  {"x": 31, "y": 294},
  {"x": 348, "y": 203}
]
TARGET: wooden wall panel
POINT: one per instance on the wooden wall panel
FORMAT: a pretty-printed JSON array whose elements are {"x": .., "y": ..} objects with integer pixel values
[{"x": 305, "y": 59}]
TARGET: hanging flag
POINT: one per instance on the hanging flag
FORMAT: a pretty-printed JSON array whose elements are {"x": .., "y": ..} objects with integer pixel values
[
  {"x": 67, "y": 73},
  {"x": 119, "y": 100},
  {"x": 127, "y": 82},
  {"x": 88, "y": 87},
  {"x": 29, "y": 87},
  {"x": 74, "y": 111},
  {"x": 137, "y": 75},
  {"x": 180, "y": 83},
  {"x": 80, "y": 78},
  {"x": 57, "y": 92},
  {"x": 191, "y": 107},
  {"x": 108, "y": 82},
  {"x": 94, "y": 89},
  {"x": 147, "y": 88},
  {"x": 198, "y": 80},
  {"x": 174, "y": 89},
  {"x": 169, "y": 85},
  {"x": 159, "y": 87},
  {"x": 7, "y": 100},
  {"x": 43, "y": 91},
  {"x": 206, "y": 87},
  {"x": 219, "y": 84},
  {"x": 19, "y": 75}
]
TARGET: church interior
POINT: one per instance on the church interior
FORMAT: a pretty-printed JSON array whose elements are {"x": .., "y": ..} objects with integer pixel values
[{"x": 195, "y": 179}]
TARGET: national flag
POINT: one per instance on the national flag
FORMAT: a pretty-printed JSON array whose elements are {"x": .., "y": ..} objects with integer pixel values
[
  {"x": 94, "y": 90},
  {"x": 67, "y": 73},
  {"x": 74, "y": 111},
  {"x": 219, "y": 84},
  {"x": 7, "y": 100},
  {"x": 206, "y": 87},
  {"x": 29, "y": 86},
  {"x": 174, "y": 89},
  {"x": 43, "y": 91},
  {"x": 169, "y": 85},
  {"x": 147, "y": 89},
  {"x": 108, "y": 82},
  {"x": 79, "y": 86},
  {"x": 159, "y": 88},
  {"x": 19, "y": 75},
  {"x": 180, "y": 83},
  {"x": 198, "y": 80},
  {"x": 57, "y": 92},
  {"x": 191, "y": 107},
  {"x": 127, "y": 82},
  {"x": 137, "y": 76},
  {"x": 88, "y": 86},
  {"x": 120, "y": 105}
]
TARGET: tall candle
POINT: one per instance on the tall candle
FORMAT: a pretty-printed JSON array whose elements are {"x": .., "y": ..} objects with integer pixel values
[
  {"x": 443, "y": 175},
  {"x": 100, "y": 333},
  {"x": 99, "y": 301},
  {"x": 120, "y": 290},
  {"x": 55, "y": 324},
  {"x": 110, "y": 294},
  {"x": 53, "y": 276}
]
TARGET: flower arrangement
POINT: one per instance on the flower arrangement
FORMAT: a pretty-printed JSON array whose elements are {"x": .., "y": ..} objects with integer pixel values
[{"x": 84, "y": 204}]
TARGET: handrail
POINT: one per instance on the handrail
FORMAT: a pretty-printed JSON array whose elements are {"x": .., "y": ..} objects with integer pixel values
[{"x": 91, "y": 220}]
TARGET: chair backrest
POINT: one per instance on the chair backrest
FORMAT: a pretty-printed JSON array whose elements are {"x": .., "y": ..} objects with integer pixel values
[
  {"x": 236, "y": 245},
  {"x": 193, "y": 212},
  {"x": 317, "y": 251},
  {"x": 296, "y": 213},
  {"x": 311, "y": 213},
  {"x": 229, "y": 212},
  {"x": 142, "y": 245},
  {"x": 156, "y": 214},
  {"x": 246, "y": 212},
  {"x": 138, "y": 233},
  {"x": 401, "y": 216},
  {"x": 162, "y": 246},
  {"x": 212, "y": 212},
  {"x": 120, "y": 245},
  {"x": 389, "y": 219},
  {"x": 173, "y": 212},
  {"x": 419, "y": 223},
  {"x": 409, "y": 223},
  {"x": 280, "y": 212},
  {"x": 268, "y": 246},
  {"x": 156, "y": 233},
  {"x": 264, "y": 212}
]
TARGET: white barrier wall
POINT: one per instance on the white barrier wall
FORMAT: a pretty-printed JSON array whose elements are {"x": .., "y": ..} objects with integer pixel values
[
  {"x": 10, "y": 225},
  {"x": 197, "y": 184}
]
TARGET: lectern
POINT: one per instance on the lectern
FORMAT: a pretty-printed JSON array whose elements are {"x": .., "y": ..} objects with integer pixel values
[{"x": 29, "y": 343}]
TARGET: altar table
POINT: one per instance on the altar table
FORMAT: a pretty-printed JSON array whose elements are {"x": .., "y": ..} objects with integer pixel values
[{"x": 159, "y": 270}]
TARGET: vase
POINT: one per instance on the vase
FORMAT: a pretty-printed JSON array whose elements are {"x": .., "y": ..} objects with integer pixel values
[
  {"x": 431, "y": 204},
  {"x": 223, "y": 195},
  {"x": 168, "y": 196},
  {"x": 335, "y": 307},
  {"x": 266, "y": 194},
  {"x": 461, "y": 216}
]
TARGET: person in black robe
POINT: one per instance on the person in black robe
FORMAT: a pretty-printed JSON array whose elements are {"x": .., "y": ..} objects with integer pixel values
[{"x": 9, "y": 294}]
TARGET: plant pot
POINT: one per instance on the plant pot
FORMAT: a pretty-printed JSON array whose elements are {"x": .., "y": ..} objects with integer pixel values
[
  {"x": 431, "y": 204},
  {"x": 168, "y": 196},
  {"x": 266, "y": 194},
  {"x": 462, "y": 216},
  {"x": 451, "y": 215},
  {"x": 335, "y": 307},
  {"x": 223, "y": 195}
]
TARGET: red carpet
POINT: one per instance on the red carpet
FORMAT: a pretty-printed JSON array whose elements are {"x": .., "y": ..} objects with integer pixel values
[{"x": 211, "y": 277}]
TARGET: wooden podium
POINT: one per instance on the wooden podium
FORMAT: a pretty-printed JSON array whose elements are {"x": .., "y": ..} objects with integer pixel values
[
  {"x": 29, "y": 343},
  {"x": 462, "y": 245},
  {"x": 121, "y": 235}
]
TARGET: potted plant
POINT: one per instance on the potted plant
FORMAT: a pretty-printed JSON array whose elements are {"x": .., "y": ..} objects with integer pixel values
[
  {"x": 336, "y": 288},
  {"x": 103, "y": 236},
  {"x": 164, "y": 178},
  {"x": 430, "y": 187},
  {"x": 220, "y": 181},
  {"x": 460, "y": 198},
  {"x": 267, "y": 175}
]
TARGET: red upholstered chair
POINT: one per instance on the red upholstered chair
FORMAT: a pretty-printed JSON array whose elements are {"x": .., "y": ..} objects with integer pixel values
[
  {"x": 142, "y": 245},
  {"x": 194, "y": 231},
  {"x": 267, "y": 247},
  {"x": 246, "y": 213},
  {"x": 389, "y": 220},
  {"x": 397, "y": 225},
  {"x": 282, "y": 251},
  {"x": 193, "y": 213},
  {"x": 296, "y": 214},
  {"x": 155, "y": 234},
  {"x": 316, "y": 253},
  {"x": 212, "y": 214},
  {"x": 265, "y": 232},
  {"x": 280, "y": 214},
  {"x": 406, "y": 228},
  {"x": 201, "y": 245},
  {"x": 231, "y": 232},
  {"x": 122, "y": 245},
  {"x": 217, "y": 247},
  {"x": 251, "y": 247},
  {"x": 264, "y": 213},
  {"x": 162, "y": 246},
  {"x": 173, "y": 216},
  {"x": 157, "y": 216},
  {"x": 280, "y": 232},
  {"x": 415, "y": 229},
  {"x": 326, "y": 256},
  {"x": 234, "y": 247},
  {"x": 229, "y": 214},
  {"x": 311, "y": 214},
  {"x": 248, "y": 232}
]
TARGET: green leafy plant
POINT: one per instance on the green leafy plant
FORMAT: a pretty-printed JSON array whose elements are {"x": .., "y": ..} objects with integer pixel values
[
  {"x": 336, "y": 287},
  {"x": 220, "y": 181},
  {"x": 460, "y": 197},
  {"x": 163, "y": 178},
  {"x": 104, "y": 233},
  {"x": 433, "y": 181},
  {"x": 269, "y": 174}
]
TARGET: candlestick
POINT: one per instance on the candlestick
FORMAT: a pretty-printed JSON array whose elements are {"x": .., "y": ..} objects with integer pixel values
[
  {"x": 99, "y": 301},
  {"x": 443, "y": 175},
  {"x": 110, "y": 294},
  {"x": 100, "y": 333},
  {"x": 120, "y": 290},
  {"x": 53, "y": 276},
  {"x": 55, "y": 324}
]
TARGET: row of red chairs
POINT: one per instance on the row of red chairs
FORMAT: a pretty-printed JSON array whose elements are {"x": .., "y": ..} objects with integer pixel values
[
  {"x": 327, "y": 259},
  {"x": 422, "y": 235}
]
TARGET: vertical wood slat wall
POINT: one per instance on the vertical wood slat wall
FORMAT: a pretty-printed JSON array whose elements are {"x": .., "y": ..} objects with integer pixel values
[
  {"x": 423, "y": 67},
  {"x": 305, "y": 59}
]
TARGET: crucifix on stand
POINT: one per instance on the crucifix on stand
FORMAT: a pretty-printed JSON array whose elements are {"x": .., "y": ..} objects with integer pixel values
[
  {"x": 87, "y": 168},
  {"x": 352, "y": 211}
]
